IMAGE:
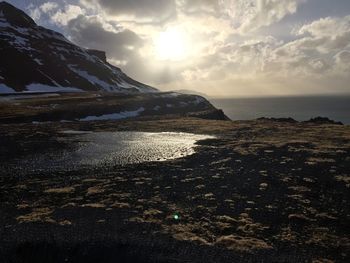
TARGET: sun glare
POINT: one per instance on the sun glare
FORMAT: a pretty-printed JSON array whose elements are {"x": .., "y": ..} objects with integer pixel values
[{"x": 171, "y": 44}]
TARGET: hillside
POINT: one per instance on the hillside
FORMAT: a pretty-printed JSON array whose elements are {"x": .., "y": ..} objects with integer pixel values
[{"x": 35, "y": 59}]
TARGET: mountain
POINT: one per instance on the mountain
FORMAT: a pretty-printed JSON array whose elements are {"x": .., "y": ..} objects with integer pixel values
[
  {"x": 36, "y": 59},
  {"x": 191, "y": 92},
  {"x": 82, "y": 85}
]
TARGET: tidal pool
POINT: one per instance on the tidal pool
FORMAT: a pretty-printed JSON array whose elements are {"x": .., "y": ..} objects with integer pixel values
[{"x": 106, "y": 149}]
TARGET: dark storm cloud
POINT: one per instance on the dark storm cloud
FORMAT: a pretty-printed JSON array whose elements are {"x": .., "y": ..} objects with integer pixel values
[
  {"x": 90, "y": 32},
  {"x": 121, "y": 47}
]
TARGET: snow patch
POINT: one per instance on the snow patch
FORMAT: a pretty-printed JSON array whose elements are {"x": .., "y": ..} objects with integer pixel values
[
  {"x": 170, "y": 95},
  {"x": 92, "y": 79},
  {"x": 115, "y": 116},
  {"x": 4, "y": 24},
  {"x": 47, "y": 76},
  {"x": 183, "y": 104},
  {"x": 140, "y": 88},
  {"x": 21, "y": 30},
  {"x": 125, "y": 85},
  {"x": 198, "y": 100},
  {"x": 20, "y": 41},
  {"x": 38, "y": 61},
  {"x": 4, "y": 89},
  {"x": 37, "y": 87},
  {"x": 23, "y": 95}
]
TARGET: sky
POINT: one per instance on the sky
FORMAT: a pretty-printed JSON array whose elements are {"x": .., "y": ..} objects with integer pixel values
[{"x": 223, "y": 48}]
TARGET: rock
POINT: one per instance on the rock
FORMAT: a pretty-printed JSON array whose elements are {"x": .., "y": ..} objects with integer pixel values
[
  {"x": 98, "y": 53},
  {"x": 288, "y": 120},
  {"x": 15, "y": 16},
  {"x": 213, "y": 114},
  {"x": 323, "y": 120}
]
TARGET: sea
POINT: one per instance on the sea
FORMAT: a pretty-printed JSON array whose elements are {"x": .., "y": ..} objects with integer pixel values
[{"x": 299, "y": 108}]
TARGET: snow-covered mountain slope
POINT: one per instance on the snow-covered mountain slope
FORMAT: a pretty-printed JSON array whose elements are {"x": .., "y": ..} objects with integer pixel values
[{"x": 33, "y": 58}]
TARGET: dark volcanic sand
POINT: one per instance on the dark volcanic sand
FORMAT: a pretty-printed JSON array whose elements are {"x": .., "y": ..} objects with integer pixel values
[{"x": 261, "y": 192}]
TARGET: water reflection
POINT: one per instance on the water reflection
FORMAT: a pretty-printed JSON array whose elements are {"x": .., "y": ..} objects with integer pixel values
[
  {"x": 105, "y": 149},
  {"x": 120, "y": 148}
]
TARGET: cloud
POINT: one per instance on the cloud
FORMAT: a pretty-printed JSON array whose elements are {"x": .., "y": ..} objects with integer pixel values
[
  {"x": 197, "y": 6},
  {"x": 234, "y": 45},
  {"x": 48, "y": 6},
  {"x": 244, "y": 15},
  {"x": 58, "y": 14},
  {"x": 121, "y": 45},
  {"x": 320, "y": 49},
  {"x": 326, "y": 34},
  {"x": 310, "y": 63},
  {"x": 136, "y": 10},
  {"x": 69, "y": 12},
  {"x": 319, "y": 46},
  {"x": 250, "y": 15},
  {"x": 326, "y": 27},
  {"x": 94, "y": 32},
  {"x": 36, "y": 11},
  {"x": 342, "y": 61}
]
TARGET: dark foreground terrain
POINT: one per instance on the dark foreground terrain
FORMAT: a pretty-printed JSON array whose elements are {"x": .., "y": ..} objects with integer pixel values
[{"x": 262, "y": 191}]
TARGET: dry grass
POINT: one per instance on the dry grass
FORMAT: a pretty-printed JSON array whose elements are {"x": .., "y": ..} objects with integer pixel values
[
  {"x": 95, "y": 190},
  {"x": 242, "y": 244},
  {"x": 120, "y": 205},
  {"x": 237, "y": 217},
  {"x": 37, "y": 215},
  {"x": 94, "y": 205},
  {"x": 63, "y": 190}
]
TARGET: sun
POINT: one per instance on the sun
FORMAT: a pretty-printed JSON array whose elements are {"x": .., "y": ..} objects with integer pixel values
[{"x": 171, "y": 44}]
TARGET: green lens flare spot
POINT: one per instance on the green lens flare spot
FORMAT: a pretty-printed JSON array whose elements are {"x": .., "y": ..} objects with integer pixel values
[{"x": 176, "y": 217}]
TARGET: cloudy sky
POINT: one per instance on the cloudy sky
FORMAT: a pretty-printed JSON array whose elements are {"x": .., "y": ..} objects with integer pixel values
[{"x": 227, "y": 48}]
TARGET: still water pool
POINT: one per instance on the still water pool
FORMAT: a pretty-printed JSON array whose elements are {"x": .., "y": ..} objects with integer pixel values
[
  {"x": 106, "y": 149},
  {"x": 120, "y": 148}
]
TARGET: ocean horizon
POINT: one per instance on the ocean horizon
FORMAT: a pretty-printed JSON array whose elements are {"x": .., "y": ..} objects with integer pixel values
[{"x": 299, "y": 108}]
